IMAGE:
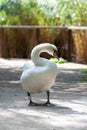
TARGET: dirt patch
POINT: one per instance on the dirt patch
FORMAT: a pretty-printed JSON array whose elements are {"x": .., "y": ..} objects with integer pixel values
[{"x": 68, "y": 94}]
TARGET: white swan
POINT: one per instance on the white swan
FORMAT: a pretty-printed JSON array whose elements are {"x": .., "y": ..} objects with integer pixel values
[{"x": 39, "y": 76}]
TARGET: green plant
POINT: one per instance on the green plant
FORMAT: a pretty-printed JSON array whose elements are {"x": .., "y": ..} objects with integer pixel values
[
  {"x": 84, "y": 75},
  {"x": 35, "y": 12},
  {"x": 60, "y": 60}
]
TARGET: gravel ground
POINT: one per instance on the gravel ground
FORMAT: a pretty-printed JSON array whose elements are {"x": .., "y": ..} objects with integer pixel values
[{"x": 68, "y": 94}]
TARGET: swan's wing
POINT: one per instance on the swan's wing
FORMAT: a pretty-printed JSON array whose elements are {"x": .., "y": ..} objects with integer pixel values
[{"x": 28, "y": 65}]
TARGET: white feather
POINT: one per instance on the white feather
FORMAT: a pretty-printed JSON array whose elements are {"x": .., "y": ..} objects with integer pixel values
[{"x": 39, "y": 74}]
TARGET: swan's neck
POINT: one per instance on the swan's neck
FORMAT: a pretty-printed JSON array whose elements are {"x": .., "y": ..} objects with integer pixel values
[{"x": 35, "y": 57}]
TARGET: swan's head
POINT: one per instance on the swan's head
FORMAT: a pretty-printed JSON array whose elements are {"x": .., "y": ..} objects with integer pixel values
[
  {"x": 52, "y": 50},
  {"x": 45, "y": 47}
]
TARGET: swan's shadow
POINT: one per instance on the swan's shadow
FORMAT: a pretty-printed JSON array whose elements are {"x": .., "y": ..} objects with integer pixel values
[{"x": 55, "y": 108}]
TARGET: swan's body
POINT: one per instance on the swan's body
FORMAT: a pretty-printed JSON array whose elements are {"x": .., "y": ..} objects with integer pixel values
[{"x": 39, "y": 75}]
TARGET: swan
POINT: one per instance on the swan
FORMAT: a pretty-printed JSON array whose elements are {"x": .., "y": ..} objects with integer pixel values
[{"x": 39, "y": 75}]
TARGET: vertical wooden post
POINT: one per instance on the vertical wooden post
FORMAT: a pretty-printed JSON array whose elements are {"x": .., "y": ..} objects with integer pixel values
[
  {"x": 2, "y": 42},
  {"x": 37, "y": 35},
  {"x": 69, "y": 45}
]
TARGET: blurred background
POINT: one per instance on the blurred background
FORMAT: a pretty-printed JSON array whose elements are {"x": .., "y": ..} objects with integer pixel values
[{"x": 18, "y": 42}]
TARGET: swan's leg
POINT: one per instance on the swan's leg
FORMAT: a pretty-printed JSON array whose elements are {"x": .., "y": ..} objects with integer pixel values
[
  {"x": 48, "y": 96},
  {"x": 29, "y": 96},
  {"x": 31, "y": 102},
  {"x": 48, "y": 100},
  {"x": 45, "y": 104}
]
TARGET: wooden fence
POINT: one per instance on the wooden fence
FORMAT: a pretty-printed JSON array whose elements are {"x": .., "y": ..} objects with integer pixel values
[{"x": 69, "y": 29}]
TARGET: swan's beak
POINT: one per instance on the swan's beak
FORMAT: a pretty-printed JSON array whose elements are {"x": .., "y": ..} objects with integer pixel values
[{"x": 55, "y": 54}]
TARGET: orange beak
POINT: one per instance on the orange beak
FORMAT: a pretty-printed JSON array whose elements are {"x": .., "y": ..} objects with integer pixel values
[{"x": 55, "y": 54}]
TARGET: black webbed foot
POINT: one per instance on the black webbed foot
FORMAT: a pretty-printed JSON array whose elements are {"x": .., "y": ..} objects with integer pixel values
[
  {"x": 33, "y": 104},
  {"x": 48, "y": 104}
]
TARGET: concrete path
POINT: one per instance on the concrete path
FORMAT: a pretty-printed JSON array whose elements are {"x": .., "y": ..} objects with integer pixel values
[{"x": 68, "y": 94}]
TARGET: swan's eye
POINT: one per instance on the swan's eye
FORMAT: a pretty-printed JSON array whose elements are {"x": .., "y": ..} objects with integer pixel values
[{"x": 55, "y": 51}]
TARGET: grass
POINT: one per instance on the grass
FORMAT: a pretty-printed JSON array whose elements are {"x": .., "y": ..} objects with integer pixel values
[
  {"x": 84, "y": 75},
  {"x": 60, "y": 61}
]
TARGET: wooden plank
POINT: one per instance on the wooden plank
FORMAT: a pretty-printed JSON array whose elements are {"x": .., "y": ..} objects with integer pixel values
[
  {"x": 37, "y": 35},
  {"x": 69, "y": 45},
  {"x": 34, "y": 27},
  {"x": 77, "y": 27},
  {"x": 50, "y": 27},
  {"x": 2, "y": 43}
]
